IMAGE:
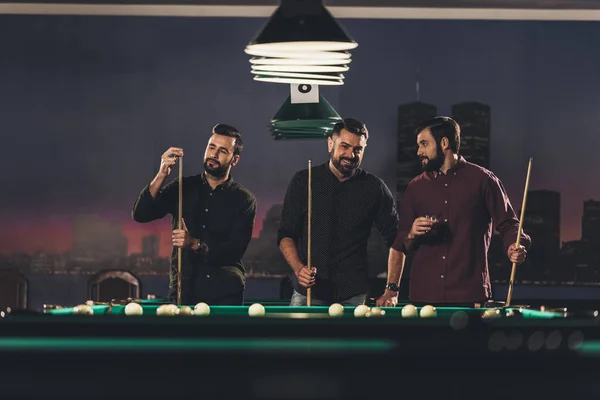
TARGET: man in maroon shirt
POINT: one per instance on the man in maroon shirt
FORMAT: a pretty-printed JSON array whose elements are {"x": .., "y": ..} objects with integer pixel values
[{"x": 447, "y": 218}]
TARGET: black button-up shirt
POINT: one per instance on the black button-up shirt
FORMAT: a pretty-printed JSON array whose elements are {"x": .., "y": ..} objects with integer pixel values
[
  {"x": 222, "y": 218},
  {"x": 450, "y": 263},
  {"x": 343, "y": 214}
]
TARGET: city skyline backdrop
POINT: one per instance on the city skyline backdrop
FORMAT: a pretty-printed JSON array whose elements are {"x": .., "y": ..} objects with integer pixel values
[{"x": 90, "y": 103}]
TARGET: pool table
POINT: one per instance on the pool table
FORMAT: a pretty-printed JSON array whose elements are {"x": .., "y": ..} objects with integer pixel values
[{"x": 297, "y": 352}]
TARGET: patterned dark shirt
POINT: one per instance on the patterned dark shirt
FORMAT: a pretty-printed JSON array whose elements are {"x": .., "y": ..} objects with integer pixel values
[
  {"x": 450, "y": 263},
  {"x": 343, "y": 214},
  {"x": 222, "y": 218}
]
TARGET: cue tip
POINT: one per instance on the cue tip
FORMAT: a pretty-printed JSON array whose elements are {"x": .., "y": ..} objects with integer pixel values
[{"x": 530, "y": 159}]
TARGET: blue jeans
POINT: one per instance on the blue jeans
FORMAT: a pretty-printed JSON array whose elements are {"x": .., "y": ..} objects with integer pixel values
[{"x": 300, "y": 300}]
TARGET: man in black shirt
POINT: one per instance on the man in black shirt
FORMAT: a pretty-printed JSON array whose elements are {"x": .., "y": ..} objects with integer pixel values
[
  {"x": 218, "y": 219},
  {"x": 346, "y": 202}
]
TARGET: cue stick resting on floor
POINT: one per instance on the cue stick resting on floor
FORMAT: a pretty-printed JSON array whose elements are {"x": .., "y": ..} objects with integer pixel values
[
  {"x": 514, "y": 265},
  {"x": 308, "y": 290}
]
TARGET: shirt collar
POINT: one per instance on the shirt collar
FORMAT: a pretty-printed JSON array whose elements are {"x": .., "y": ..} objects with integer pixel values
[
  {"x": 332, "y": 174},
  {"x": 228, "y": 183},
  {"x": 461, "y": 162}
]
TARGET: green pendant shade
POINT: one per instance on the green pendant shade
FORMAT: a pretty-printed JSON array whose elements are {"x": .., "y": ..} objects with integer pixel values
[{"x": 304, "y": 120}]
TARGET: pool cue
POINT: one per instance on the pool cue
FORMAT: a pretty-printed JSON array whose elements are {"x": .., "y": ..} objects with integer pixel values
[
  {"x": 179, "y": 226},
  {"x": 514, "y": 266},
  {"x": 308, "y": 290}
]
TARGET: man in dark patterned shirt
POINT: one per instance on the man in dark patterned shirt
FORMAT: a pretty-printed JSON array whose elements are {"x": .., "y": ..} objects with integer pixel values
[
  {"x": 218, "y": 219},
  {"x": 346, "y": 202},
  {"x": 447, "y": 218}
]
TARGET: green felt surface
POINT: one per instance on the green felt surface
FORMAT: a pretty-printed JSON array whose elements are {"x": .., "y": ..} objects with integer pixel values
[
  {"x": 305, "y": 312},
  {"x": 186, "y": 344}
]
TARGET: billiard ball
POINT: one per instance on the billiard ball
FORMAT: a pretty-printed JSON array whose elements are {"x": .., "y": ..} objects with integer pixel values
[
  {"x": 202, "y": 309},
  {"x": 186, "y": 310},
  {"x": 428, "y": 312},
  {"x": 133, "y": 309},
  {"x": 491, "y": 313},
  {"x": 361, "y": 311},
  {"x": 336, "y": 310},
  {"x": 256, "y": 310},
  {"x": 376, "y": 312},
  {"x": 167, "y": 310},
  {"x": 83, "y": 309},
  {"x": 409, "y": 311}
]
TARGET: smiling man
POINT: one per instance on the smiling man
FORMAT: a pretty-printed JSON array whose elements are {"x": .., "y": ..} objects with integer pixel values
[
  {"x": 346, "y": 202},
  {"x": 447, "y": 218},
  {"x": 218, "y": 218}
]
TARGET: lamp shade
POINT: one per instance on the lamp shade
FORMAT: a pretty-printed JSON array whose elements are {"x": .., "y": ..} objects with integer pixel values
[
  {"x": 302, "y": 25},
  {"x": 302, "y": 38},
  {"x": 304, "y": 120}
]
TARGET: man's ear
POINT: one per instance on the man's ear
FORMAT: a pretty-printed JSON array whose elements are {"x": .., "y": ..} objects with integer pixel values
[
  {"x": 329, "y": 144},
  {"x": 235, "y": 160},
  {"x": 444, "y": 143}
]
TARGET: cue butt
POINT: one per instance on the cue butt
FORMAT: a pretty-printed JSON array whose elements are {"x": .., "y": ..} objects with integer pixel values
[
  {"x": 179, "y": 225},
  {"x": 308, "y": 290}
]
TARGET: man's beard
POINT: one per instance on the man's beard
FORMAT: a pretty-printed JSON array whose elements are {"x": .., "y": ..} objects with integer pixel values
[
  {"x": 433, "y": 164},
  {"x": 343, "y": 168},
  {"x": 218, "y": 171}
]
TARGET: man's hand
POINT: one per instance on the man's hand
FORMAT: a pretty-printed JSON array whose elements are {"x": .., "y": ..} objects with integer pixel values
[
  {"x": 420, "y": 226},
  {"x": 169, "y": 159},
  {"x": 306, "y": 276},
  {"x": 516, "y": 255},
  {"x": 181, "y": 237},
  {"x": 388, "y": 299}
]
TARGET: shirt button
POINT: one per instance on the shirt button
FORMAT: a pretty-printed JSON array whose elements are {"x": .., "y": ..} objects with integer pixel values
[
  {"x": 445, "y": 201},
  {"x": 208, "y": 276},
  {"x": 445, "y": 219},
  {"x": 443, "y": 257},
  {"x": 445, "y": 184},
  {"x": 204, "y": 226},
  {"x": 442, "y": 276},
  {"x": 210, "y": 194},
  {"x": 206, "y": 210}
]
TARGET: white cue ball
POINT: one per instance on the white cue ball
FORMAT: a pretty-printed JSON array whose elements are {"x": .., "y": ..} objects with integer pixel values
[
  {"x": 202, "y": 309},
  {"x": 428, "y": 312},
  {"x": 361, "y": 311},
  {"x": 83, "y": 309},
  {"x": 336, "y": 310},
  {"x": 256, "y": 310},
  {"x": 409, "y": 311},
  {"x": 133, "y": 309}
]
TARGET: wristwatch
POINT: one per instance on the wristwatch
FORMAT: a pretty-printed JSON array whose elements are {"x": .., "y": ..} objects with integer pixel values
[
  {"x": 199, "y": 246},
  {"x": 393, "y": 287}
]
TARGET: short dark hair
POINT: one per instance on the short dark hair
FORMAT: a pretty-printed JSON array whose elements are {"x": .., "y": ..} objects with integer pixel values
[
  {"x": 441, "y": 127},
  {"x": 228, "y": 130},
  {"x": 351, "y": 125}
]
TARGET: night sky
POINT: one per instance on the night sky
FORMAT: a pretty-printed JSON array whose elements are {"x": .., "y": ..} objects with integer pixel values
[{"x": 88, "y": 104}]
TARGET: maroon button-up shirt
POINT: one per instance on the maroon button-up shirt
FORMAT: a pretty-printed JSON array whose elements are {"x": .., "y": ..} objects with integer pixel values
[{"x": 450, "y": 263}]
